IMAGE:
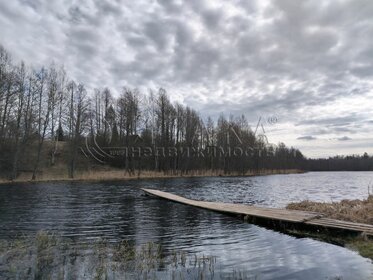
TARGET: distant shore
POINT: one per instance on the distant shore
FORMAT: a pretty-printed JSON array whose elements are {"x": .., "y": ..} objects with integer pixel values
[{"x": 123, "y": 175}]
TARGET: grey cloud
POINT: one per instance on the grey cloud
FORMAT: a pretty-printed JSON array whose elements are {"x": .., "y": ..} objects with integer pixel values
[
  {"x": 35, "y": 4},
  {"x": 351, "y": 124},
  {"x": 170, "y": 6},
  {"x": 77, "y": 16},
  {"x": 109, "y": 7},
  {"x": 344, "y": 138},
  {"x": 212, "y": 18},
  {"x": 158, "y": 33},
  {"x": 332, "y": 121},
  {"x": 363, "y": 71},
  {"x": 184, "y": 35},
  {"x": 136, "y": 41},
  {"x": 307, "y": 138},
  {"x": 343, "y": 129},
  {"x": 296, "y": 59},
  {"x": 84, "y": 34}
]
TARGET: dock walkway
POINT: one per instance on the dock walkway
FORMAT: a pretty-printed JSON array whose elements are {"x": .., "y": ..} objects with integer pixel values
[{"x": 255, "y": 214}]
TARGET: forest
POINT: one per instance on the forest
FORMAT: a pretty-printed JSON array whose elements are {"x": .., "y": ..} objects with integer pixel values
[
  {"x": 42, "y": 110},
  {"x": 362, "y": 162}
]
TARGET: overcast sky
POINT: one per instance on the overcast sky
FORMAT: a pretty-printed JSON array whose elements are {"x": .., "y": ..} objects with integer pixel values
[{"x": 307, "y": 64}]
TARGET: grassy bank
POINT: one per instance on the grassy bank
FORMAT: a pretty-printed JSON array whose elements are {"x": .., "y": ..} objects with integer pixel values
[
  {"x": 358, "y": 211},
  {"x": 118, "y": 175}
]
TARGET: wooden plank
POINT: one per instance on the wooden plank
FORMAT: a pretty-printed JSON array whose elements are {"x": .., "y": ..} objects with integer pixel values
[{"x": 312, "y": 219}]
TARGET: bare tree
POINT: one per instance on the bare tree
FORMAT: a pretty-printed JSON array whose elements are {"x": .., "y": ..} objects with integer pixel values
[
  {"x": 21, "y": 89},
  {"x": 34, "y": 103},
  {"x": 59, "y": 101},
  {"x": 46, "y": 102},
  {"x": 78, "y": 120}
]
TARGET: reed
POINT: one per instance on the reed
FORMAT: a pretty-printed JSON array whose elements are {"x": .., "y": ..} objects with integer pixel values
[
  {"x": 358, "y": 211},
  {"x": 50, "y": 256},
  {"x": 59, "y": 174}
]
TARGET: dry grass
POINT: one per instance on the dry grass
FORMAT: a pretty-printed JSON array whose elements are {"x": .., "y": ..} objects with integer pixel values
[
  {"x": 358, "y": 211},
  {"x": 59, "y": 173}
]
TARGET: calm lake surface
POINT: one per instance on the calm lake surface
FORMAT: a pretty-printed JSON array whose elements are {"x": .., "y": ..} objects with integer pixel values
[{"x": 120, "y": 211}]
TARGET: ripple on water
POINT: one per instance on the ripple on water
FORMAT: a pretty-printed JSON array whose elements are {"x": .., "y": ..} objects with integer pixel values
[{"x": 119, "y": 211}]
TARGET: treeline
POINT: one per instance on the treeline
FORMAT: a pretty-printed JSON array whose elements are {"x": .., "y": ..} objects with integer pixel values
[
  {"x": 40, "y": 108},
  {"x": 341, "y": 163}
]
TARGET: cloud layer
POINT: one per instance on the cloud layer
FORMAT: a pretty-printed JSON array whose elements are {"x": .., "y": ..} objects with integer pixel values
[{"x": 308, "y": 63}]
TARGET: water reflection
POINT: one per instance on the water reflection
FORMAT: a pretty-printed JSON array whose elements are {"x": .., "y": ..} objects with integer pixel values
[{"x": 117, "y": 211}]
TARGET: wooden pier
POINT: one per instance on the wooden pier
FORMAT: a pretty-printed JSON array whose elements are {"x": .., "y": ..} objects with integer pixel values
[{"x": 274, "y": 217}]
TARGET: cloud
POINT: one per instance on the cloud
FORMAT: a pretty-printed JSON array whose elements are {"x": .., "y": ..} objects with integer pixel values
[
  {"x": 307, "y": 62},
  {"x": 344, "y": 138},
  {"x": 307, "y": 138}
]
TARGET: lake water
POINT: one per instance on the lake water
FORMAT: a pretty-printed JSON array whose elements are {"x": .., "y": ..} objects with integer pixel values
[{"x": 120, "y": 211}]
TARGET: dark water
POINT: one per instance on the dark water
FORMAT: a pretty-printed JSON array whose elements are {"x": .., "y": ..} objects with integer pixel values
[{"x": 117, "y": 211}]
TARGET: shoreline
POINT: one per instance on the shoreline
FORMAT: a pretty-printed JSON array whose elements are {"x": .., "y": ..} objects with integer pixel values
[{"x": 121, "y": 175}]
